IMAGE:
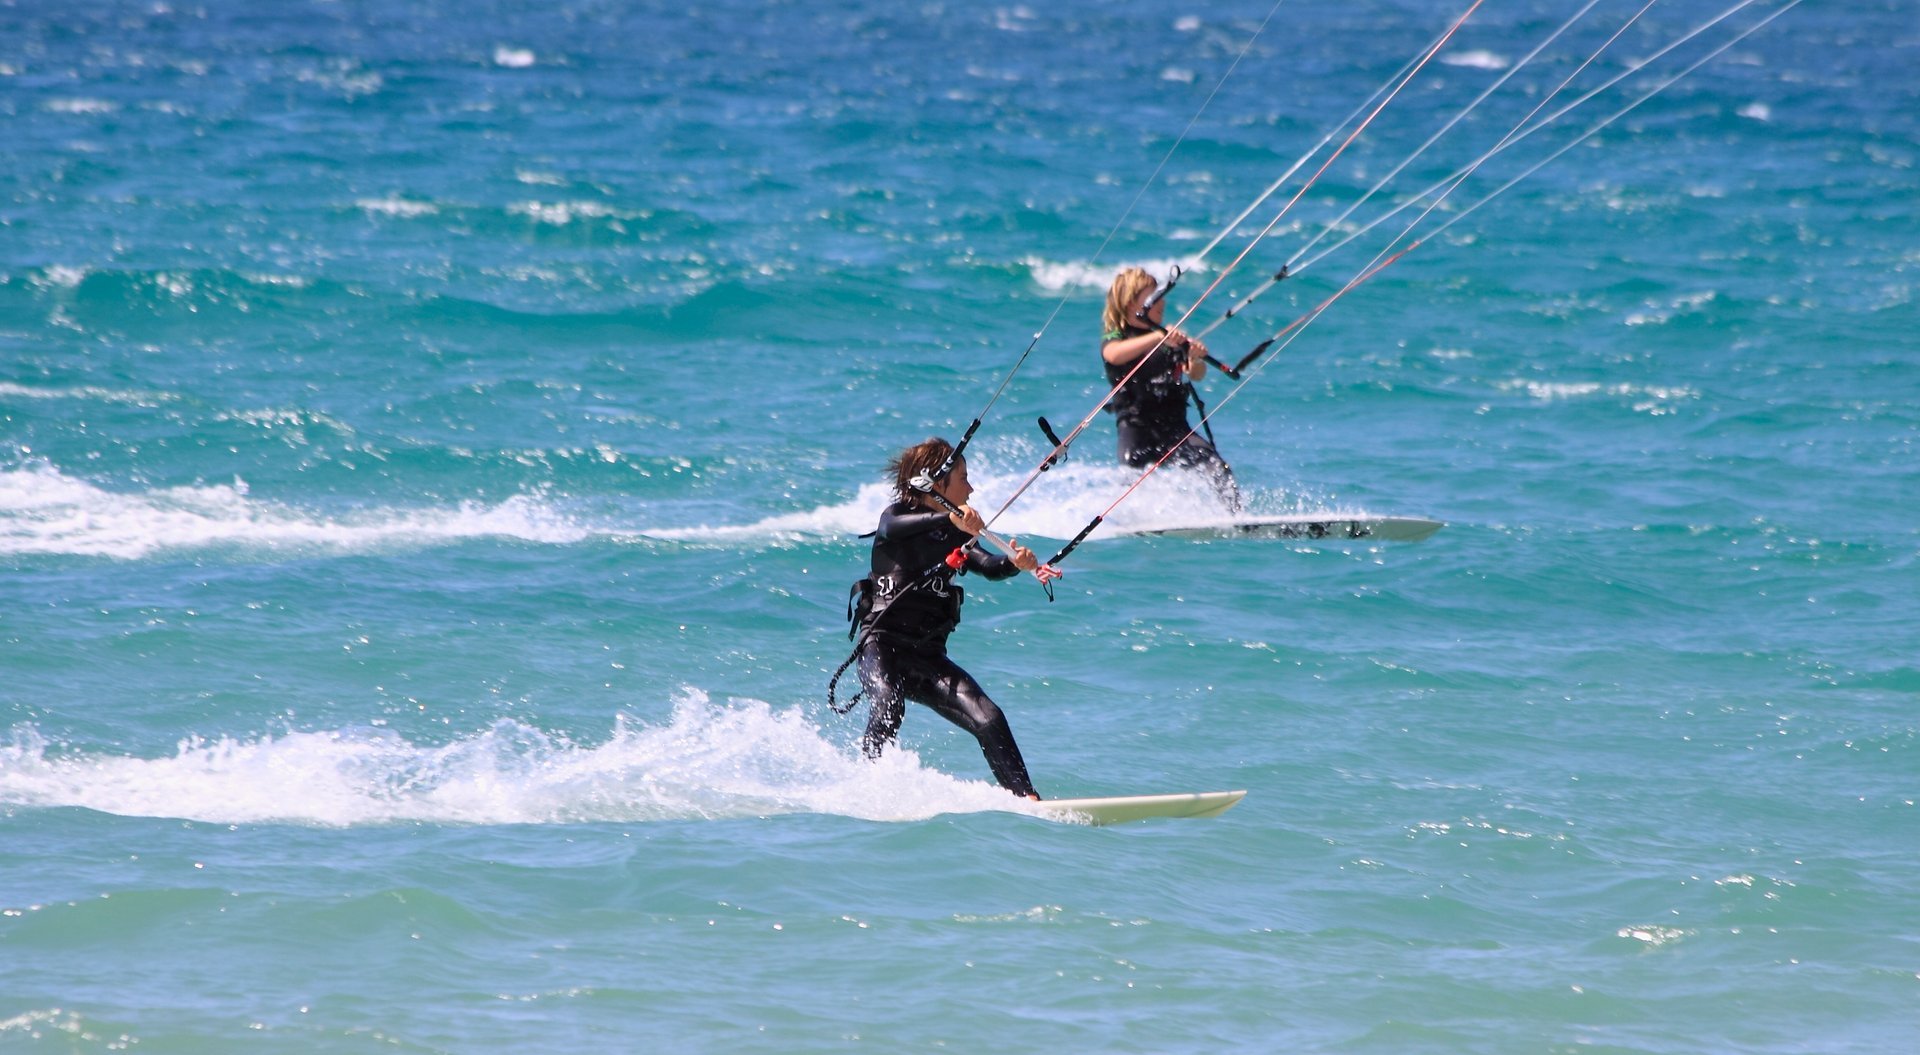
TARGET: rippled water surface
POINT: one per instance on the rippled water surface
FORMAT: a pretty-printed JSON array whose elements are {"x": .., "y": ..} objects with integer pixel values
[{"x": 435, "y": 440}]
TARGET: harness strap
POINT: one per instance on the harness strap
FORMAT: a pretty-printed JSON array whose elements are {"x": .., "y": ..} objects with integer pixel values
[
  {"x": 873, "y": 622},
  {"x": 1200, "y": 407}
]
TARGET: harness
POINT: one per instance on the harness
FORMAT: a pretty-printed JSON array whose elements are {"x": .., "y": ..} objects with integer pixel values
[
  {"x": 864, "y": 617},
  {"x": 1157, "y": 385}
]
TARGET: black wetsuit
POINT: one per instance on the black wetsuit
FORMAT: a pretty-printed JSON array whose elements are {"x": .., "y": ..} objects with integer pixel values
[
  {"x": 1150, "y": 413},
  {"x": 904, "y": 656}
]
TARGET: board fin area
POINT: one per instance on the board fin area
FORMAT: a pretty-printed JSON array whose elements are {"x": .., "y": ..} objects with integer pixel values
[
  {"x": 1298, "y": 526},
  {"x": 1121, "y": 808}
]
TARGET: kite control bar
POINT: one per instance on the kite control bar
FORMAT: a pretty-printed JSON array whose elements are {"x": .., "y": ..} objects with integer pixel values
[{"x": 923, "y": 484}]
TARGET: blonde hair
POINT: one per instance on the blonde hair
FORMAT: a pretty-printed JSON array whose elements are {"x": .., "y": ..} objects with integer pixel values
[{"x": 1127, "y": 287}]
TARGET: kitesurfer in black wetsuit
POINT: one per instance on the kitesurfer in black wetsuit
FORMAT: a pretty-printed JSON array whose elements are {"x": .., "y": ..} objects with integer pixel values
[
  {"x": 1150, "y": 410},
  {"x": 910, "y": 604}
]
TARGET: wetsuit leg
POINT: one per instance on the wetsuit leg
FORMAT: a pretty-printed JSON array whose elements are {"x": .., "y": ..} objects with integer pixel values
[
  {"x": 958, "y": 698},
  {"x": 1200, "y": 455},
  {"x": 1141, "y": 447},
  {"x": 882, "y": 676},
  {"x": 891, "y": 675}
]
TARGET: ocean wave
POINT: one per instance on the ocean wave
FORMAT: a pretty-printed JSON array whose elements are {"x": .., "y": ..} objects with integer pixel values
[
  {"x": 513, "y": 58},
  {"x": 1059, "y": 276},
  {"x": 562, "y": 213},
  {"x": 1061, "y": 503},
  {"x": 1687, "y": 304},
  {"x": 742, "y": 759},
  {"x": 43, "y": 511},
  {"x": 82, "y": 106},
  {"x": 1648, "y": 398},
  {"x": 394, "y": 205},
  {"x": 1475, "y": 60},
  {"x": 97, "y": 288},
  {"x": 88, "y": 393}
]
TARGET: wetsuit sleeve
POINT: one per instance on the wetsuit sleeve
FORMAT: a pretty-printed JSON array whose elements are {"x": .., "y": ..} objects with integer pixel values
[
  {"x": 898, "y": 525},
  {"x": 991, "y": 565}
]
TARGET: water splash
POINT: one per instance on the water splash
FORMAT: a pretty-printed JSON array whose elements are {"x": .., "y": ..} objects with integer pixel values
[
  {"x": 742, "y": 759},
  {"x": 44, "y": 511},
  {"x": 1062, "y": 503}
]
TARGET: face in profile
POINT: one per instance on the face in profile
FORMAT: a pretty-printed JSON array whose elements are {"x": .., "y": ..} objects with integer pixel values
[{"x": 955, "y": 488}]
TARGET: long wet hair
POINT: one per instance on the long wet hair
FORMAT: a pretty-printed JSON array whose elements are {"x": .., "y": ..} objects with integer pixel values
[
  {"x": 926, "y": 456},
  {"x": 1127, "y": 287}
]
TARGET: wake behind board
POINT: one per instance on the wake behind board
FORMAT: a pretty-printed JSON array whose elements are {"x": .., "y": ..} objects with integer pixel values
[
  {"x": 1116, "y": 809},
  {"x": 1298, "y": 526}
]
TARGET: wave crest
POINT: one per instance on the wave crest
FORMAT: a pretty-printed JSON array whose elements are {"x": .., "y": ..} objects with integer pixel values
[
  {"x": 709, "y": 761},
  {"x": 43, "y": 511}
]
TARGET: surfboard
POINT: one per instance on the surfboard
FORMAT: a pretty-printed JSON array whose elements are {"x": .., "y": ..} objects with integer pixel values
[
  {"x": 1120, "y": 808},
  {"x": 1298, "y": 526}
]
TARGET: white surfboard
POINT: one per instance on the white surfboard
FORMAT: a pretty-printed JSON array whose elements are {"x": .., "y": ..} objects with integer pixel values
[
  {"x": 1298, "y": 526},
  {"x": 1116, "y": 809}
]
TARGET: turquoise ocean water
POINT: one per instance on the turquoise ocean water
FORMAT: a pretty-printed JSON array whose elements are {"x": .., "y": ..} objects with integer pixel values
[{"x": 434, "y": 439}]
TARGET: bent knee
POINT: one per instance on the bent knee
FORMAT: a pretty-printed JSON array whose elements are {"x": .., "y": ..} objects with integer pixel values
[{"x": 984, "y": 717}]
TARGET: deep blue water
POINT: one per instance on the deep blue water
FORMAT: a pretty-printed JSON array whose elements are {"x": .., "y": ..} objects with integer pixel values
[{"x": 434, "y": 441}]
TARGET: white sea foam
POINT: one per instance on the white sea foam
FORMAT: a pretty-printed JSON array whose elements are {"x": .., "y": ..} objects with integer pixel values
[
  {"x": 740, "y": 759},
  {"x": 1475, "y": 60},
  {"x": 1017, "y": 19},
  {"x": 82, "y": 106},
  {"x": 1652, "y": 935},
  {"x": 93, "y": 393},
  {"x": 43, "y": 511},
  {"x": 560, "y": 214},
  {"x": 1548, "y": 391},
  {"x": 1685, "y": 304},
  {"x": 395, "y": 206},
  {"x": 1062, "y": 502},
  {"x": 345, "y": 77},
  {"x": 278, "y": 281},
  {"x": 1075, "y": 274},
  {"x": 64, "y": 277}
]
